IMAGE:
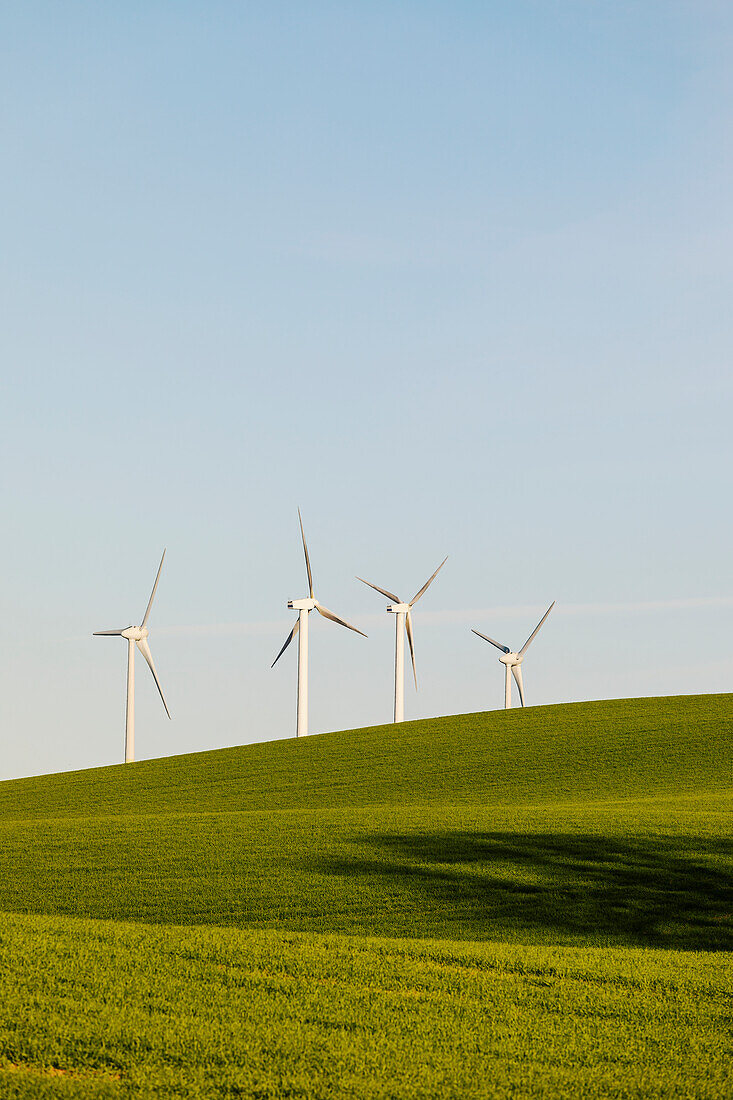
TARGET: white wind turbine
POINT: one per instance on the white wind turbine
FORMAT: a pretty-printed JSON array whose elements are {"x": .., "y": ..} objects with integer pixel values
[
  {"x": 513, "y": 661},
  {"x": 136, "y": 636},
  {"x": 401, "y": 611},
  {"x": 304, "y": 608}
]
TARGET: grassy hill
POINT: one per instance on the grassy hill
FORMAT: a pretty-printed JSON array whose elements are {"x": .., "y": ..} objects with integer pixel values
[
  {"x": 616, "y": 748},
  {"x": 581, "y": 853},
  {"x": 591, "y": 823}
]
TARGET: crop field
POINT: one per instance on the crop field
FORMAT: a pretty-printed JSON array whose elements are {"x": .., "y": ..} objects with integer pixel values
[{"x": 521, "y": 903}]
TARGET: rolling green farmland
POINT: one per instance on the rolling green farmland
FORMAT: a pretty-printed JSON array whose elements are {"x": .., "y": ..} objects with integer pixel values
[
  {"x": 614, "y": 749},
  {"x": 500, "y": 904}
]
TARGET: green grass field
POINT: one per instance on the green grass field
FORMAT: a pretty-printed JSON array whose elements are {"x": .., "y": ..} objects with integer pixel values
[{"x": 530, "y": 903}]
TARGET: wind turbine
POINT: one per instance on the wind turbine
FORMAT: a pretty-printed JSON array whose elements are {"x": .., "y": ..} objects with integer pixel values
[
  {"x": 136, "y": 636},
  {"x": 513, "y": 661},
  {"x": 304, "y": 608},
  {"x": 402, "y": 612}
]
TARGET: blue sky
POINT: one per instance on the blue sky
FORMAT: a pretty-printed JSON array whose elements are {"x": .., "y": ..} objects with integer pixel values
[{"x": 452, "y": 278}]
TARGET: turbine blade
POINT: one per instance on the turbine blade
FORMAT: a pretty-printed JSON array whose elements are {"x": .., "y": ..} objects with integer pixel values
[
  {"x": 486, "y": 638},
  {"x": 428, "y": 582},
  {"x": 152, "y": 594},
  {"x": 517, "y": 674},
  {"x": 144, "y": 648},
  {"x": 335, "y": 619},
  {"x": 525, "y": 647},
  {"x": 288, "y": 640},
  {"x": 106, "y": 633},
  {"x": 389, "y": 595},
  {"x": 411, "y": 641},
  {"x": 307, "y": 559}
]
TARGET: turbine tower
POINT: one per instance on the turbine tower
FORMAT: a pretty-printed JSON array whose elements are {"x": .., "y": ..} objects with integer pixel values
[
  {"x": 402, "y": 613},
  {"x": 136, "y": 636},
  {"x": 304, "y": 608},
  {"x": 513, "y": 661}
]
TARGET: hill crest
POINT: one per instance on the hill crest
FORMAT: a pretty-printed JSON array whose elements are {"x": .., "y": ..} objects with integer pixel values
[{"x": 591, "y": 750}]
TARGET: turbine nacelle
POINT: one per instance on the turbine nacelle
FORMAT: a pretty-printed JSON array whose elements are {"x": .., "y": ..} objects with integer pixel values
[
  {"x": 513, "y": 661},
  {"x": 400, "y": 607},
  {"x": 137, "y": 636},
  {"x": 300, "y": 629}
]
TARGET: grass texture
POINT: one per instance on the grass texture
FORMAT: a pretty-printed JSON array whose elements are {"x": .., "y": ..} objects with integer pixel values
[
  {"x": 530, "y": 903},
  {"x": 105, "y": 1009}
]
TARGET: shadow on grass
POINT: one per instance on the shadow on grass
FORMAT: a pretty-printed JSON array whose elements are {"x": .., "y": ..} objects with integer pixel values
[{"x": 643, "y": 892}]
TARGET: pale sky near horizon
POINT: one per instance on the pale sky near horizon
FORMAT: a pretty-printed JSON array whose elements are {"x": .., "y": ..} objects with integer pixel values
[{"x": 454, "y": 278}]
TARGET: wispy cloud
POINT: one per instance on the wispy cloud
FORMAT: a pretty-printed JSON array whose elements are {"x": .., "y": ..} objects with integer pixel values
[
  {"x": 272, "y": 626},
  {"x": 465, "y": 615},
  {"x": 636, "y": 607}
]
